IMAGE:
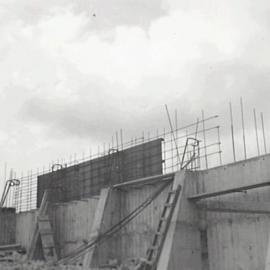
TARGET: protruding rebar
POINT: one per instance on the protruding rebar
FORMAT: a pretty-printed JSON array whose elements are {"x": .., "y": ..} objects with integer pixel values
[
  {"x": 204, "y": 138},
  {"x": 164, "y": 150},
  {"x": 232, "y": 132},
  {"x": 256, "y": 131},
  {"x": 176, "y": 125},
  {"x": 243, "y": 128},
  {"x": 171, "y": 126},
  {"x": 264, "y": 138},
  {"x": 219, "y": 146},
  {"x": 117, "y": 142},
  {"x": 121, "y": 138}
]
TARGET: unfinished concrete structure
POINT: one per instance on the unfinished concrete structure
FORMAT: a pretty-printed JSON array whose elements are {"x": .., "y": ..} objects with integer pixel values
[{"x": 219, "y": 220}]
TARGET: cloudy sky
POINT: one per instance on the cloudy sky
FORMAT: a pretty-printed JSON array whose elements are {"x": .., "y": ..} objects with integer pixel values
[{"x": 72, "y": 73}]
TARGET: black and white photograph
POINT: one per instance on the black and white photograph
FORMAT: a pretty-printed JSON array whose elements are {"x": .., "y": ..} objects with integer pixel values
[{"x": 134, "y": 135}]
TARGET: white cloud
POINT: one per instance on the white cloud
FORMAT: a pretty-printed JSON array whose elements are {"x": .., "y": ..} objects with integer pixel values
[{"x": 69, "y": 78}]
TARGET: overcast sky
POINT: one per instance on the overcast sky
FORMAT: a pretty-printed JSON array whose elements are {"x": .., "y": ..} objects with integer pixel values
[{"x": 74, "y": 72}]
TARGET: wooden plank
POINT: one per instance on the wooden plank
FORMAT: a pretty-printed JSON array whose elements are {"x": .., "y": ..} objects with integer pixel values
[
  {"x": 96, "y": 228},
  {"x": 251, "y": 207},
  {"x": 206, "y": 195}
]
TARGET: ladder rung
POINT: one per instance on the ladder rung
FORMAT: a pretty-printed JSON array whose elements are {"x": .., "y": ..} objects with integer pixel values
[
  {"x": 46, "y": 232},
  {"x": 153, "y": 248},
  {"x": 168, "y": 205},
  {"x": 43, "y": 219},
  {"x": 49, "y": 246},
  {"x": 172, "y": 191},
  {"x": 148, "y": 262},
  {"x": 163, "y": 219}
]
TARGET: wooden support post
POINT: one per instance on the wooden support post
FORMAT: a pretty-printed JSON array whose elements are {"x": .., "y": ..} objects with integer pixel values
[
  {"x": 96, "y": 228},
  {"x": 182, "y": 248},
  {"x": 249, "y": 207}
]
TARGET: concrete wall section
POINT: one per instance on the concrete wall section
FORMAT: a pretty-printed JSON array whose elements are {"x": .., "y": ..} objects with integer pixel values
[
  {"x": 136, "y": 237},
  {"x": 7, "y": 226},
  {"x": 25, "y": 227},
  {"x": 133, "y": 240},
  {"x": 237, "y": 241},
  {"x": 71, "y": 223}
]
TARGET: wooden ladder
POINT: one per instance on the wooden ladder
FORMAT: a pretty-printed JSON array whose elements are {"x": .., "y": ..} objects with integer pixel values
[
  {"x": 154, "y": 251},
  {"x": 43, "y": 229}
]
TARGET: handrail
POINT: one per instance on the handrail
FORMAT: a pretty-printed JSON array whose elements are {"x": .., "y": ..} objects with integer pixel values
[{"x": 9, "y": 183}]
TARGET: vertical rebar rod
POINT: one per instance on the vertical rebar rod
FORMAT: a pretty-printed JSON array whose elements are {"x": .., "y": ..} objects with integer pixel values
[
  {"x": 256, "y": 131},
  {"x": 31, "y": 187},
  {"x": 199, "y": 158},
  {"x": 16, "y": 195},
  {"x": 219, "y": 145},
  {"x": 204, "y": 138},
  {"x": 20, "y": 193},
  {"x": 172, "y": 157},
  {"x": 173, "y": 135},
  {"x": 5, "y": 175},
  {"x": 187, "y": 153},
  {"x": 10, "y": 191},
  {"x": 264, "y": 138},
  {"x": 28, "y": 191},
  {"x": 117, "y": 142},
  {"x": 164, "y": 149},
  {"x": 121, "y": 138},
  {"x": 232, "y": 132},
  {"x": 176, "y": 126},
  {"x": 243, "y": 128},
  {"x": 38, "y": 173},
  {"x": 90, "y": 153}
]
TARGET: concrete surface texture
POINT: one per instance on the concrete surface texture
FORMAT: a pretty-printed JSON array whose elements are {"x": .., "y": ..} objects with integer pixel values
[{"x": 196, "y": 239}]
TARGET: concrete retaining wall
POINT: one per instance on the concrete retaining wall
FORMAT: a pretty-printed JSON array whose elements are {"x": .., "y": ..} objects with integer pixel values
[
  {"x": 237, "y": 241},
  {"x": 231, "y": 241}
]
